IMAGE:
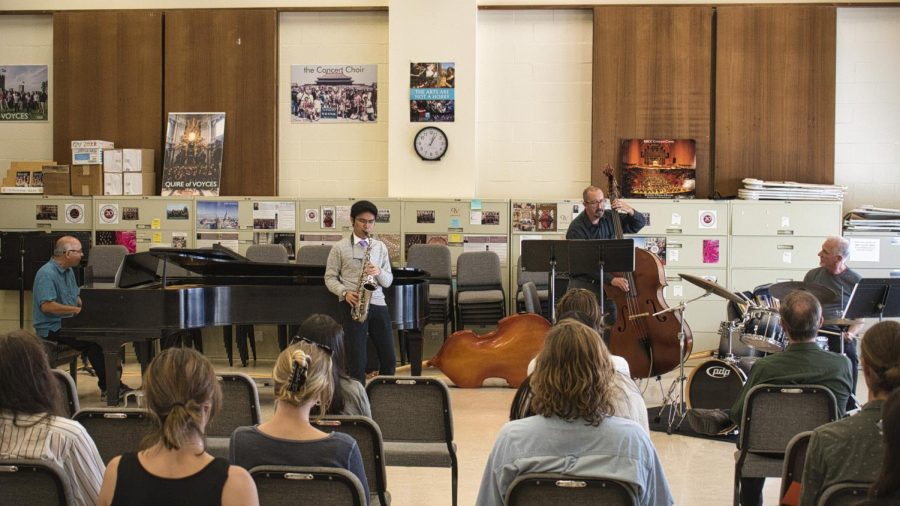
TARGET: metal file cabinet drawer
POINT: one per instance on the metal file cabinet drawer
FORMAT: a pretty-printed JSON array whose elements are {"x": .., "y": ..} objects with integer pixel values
[
  {"x": 786, "y": 218},
  {"x": 683, "y": 217},
  {"x": 775, "y": 252}
]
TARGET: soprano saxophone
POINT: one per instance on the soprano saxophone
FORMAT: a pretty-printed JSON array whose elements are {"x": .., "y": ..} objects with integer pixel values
[{"x": 367, "y": 287}]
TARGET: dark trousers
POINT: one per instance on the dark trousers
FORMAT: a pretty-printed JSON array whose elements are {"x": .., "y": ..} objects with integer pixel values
[
  {"x": 92, "y": 350},
  {"x": 377, "y": 327},
  {"x": 751, "y": 491},
  {"x": 834, "y": 345}
]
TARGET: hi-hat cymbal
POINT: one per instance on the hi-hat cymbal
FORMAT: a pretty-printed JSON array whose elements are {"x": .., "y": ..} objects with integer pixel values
[
  {"x": 712, "y": 286},
  {"x": 840, "y": 322},
  {"x": 823, "y": 293}
]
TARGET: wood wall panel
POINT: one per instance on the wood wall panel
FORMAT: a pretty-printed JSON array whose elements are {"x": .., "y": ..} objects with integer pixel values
[
  {"x": 107, "y": 79},
  {"x": 775, "y": 94},
  {"x": 225, "y": 61},
  {"x": 652, "y": 73}
]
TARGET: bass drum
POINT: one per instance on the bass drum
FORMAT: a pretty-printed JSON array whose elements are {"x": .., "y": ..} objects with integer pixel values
[{"x": 715, "y": 384}]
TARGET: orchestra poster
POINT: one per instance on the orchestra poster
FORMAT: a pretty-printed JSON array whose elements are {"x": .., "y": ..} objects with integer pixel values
[
  {"x": 23, "y": 93},
  {"x": 432, "y": 92},
  {"x": 659, "y": 169},
  {"x": 193, "y": 156},
  {"x": 334, "y": 93}
]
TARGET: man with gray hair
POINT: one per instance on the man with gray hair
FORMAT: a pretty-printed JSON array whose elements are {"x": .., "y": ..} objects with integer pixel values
[{"x": 834, "y": 274}]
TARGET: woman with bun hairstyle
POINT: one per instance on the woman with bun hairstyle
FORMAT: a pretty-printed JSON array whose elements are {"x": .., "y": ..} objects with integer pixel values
[
  {"x": 303, "y": 379},
  {"x": 182, "y": 395},
  {"x": 886, "y": 489},
  {"x": 852, "y": 449},
  {"x": 349, "y": 396}
]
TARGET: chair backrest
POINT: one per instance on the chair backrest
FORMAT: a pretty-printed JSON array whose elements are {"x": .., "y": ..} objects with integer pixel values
[
  {"x": 532, "y": 300},
  {"x": 371, "y": 445},
  {"x": 521, "y": 403},
  {"x": 268, "y": 253},
  {"x": 539, "y": 278},
  {"x": 25, "y": 481},
  {"x": 411, "y": 409},
  {"x": 289, "y": 486},
  {"x": 794, "y": 459},
  {"x": 551, "y": 488},
  {"x": 773, "y": 414},
  {"x": 433, "y": 259},
  {"x": 240, "y": 405},
  {"x": 313, "y": 254},
  {"x": 478, "y": 270},
  {"x": 844, "y": 494},
  {"x": 69, "y": 391},
  {"x": 115, "y": 430},
  {"x": 105, "y": 261}
]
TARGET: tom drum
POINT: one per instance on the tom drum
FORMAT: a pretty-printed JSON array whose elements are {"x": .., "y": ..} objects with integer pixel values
[{"x": 763, "y": 332}]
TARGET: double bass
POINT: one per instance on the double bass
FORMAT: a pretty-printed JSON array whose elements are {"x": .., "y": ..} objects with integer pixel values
[{"x": 648, "y": 343}]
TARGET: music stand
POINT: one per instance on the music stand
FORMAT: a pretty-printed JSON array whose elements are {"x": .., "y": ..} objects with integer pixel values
[
  {"x": 587, "y": 256},
  {"x": 550, "y": 255},
  {"x": 874, "y": 298}
]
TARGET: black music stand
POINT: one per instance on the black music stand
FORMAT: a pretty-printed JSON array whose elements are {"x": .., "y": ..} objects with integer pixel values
[
  {"x": 587, "y": 256},
  {"x": 550, "y": 255},
  {"x": 874, "y": 298}
]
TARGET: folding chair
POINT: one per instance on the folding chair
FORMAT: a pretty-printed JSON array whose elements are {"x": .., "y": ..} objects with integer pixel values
[
  {"x": 114, "y": 430},
  {"x": 371, "y": 445},
  {"x": 794, "y": 460},
  {"x": 313, "y": 254},
  {"x": 240, "y": 407},
  {"x": 436, "y": 261},
  {"x": 105, "y": 262},
  {"x": 416, "y": 421},
  {"x": 480, "y": 299},
  {"x": 289, "y": 486},
  {"x": 538, "y": 489},
  {"x": 844, "y": 494},
  {"x": 69, "y": 391},
  {"x": 26, "y": 481},
  {"x": 60, "y": 354},
  {"x": 531, "y": 298},
  {"x": 773, "y": 414},
  {"x": 541, "y": 283}
]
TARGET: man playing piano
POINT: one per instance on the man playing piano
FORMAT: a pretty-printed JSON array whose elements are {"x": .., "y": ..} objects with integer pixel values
[
  {"x": 345, "y": 271},
  {"x": 55, "y": 296}
]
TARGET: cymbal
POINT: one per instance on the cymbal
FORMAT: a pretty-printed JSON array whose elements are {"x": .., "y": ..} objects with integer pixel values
[
  {"x": 840, "y": 322},
  {"x": 823, "y": 293},
  {"x": 712, "y": 286}
]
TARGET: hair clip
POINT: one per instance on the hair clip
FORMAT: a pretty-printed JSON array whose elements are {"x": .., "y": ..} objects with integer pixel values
[{"x": 298, "y": 377}]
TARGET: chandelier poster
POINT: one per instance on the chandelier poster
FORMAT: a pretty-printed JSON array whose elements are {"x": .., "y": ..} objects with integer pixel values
[
  {"x": 334, "y": 93},
  {"x": 193, "y": 157}
]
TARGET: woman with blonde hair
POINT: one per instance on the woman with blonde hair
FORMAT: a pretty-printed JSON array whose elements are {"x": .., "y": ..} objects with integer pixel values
[
  {"x": 303, "y": 379},
  {"x": 573, "y": 430},
  {"x": 182, "y": 395},
  {"x": 32, "y": 425}
]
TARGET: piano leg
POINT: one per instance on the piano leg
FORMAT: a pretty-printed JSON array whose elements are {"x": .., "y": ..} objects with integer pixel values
[
  {"x": 413, "y": 340},
  {"x": 227, "y": 339},
  {"x": 242, "y": 336},
  {"x": 113, "y": 361}
]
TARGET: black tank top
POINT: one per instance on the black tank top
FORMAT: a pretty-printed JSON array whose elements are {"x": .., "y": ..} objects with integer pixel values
[{"x": 136, "y": 487}]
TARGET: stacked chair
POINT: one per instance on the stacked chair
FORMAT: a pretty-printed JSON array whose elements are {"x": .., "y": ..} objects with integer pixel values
[
  {"x": 435, "y": 260},
  {"x": 313, "y": 254},
  {"x": 480, "y": 299},
  {"x": 540, "y": 280}
]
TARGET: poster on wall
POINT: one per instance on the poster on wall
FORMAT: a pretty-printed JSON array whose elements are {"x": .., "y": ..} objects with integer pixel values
[
  {"x": 23, "y": 92},
  {"x": 432, "y": 92},
  {"x": 193, "y": 158},
  {"x": 659, "y": 169},
  {"x": 334, "y": 93}
]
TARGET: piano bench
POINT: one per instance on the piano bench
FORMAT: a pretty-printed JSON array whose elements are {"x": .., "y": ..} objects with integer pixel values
[{"x": 60, "y": 354}]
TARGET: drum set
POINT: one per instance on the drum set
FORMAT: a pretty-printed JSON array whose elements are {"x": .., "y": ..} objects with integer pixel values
[{"x": 717, "y": 382}]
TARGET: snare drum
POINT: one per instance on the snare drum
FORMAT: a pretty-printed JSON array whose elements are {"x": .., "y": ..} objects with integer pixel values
[
  {"x": 763, "y": 332},
  {"x": 731, "y": 331},
  {"x": 714, "y": 384}
]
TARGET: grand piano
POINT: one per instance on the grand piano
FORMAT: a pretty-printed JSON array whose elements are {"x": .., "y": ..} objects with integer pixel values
[{"x": 216, "y": 287}]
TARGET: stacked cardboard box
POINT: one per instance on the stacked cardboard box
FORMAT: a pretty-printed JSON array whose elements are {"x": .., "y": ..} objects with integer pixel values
[
  {"x": 89, "y": 152},
  {"x": 128, "y": 172}
]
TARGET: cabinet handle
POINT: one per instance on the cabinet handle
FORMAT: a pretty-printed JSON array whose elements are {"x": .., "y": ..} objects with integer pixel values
[
  {"x": 895, "y": 274},
  {"x": 785, "y": 246},
  {"x": 44, "y": 225},
  {"x": 675, "y": 245},
  {"x": 785, "y": 232},
  {"x": 673, "y": 230},
  {"x": 143, "y": 239},
  {"x": 676, "y": 279},
  {"x": 895, "y": 241}
]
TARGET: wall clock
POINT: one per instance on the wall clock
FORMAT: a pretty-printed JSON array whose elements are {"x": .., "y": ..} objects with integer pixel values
[{"x": 430, "y": 143}]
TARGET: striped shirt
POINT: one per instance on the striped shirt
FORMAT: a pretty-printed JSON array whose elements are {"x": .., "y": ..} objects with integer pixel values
[{"x": 59, "y": 440}]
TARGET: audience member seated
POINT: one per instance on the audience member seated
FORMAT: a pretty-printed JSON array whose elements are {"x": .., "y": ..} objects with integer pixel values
[
  {"x": 573, "y": 431},
  {"x": 801, "y": 363},
  {"x": 852, "y": 449},
  {"x": 182, "y": 395},
  {"x": 886, "y": 489},
  {"x": 350, "y": 395},
  {"x": 303, "y": 379},
  {"x": 30, "y": 423}
]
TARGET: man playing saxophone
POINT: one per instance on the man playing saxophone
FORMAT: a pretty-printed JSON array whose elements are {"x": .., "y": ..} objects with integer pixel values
[{"x": 353, "y": 263}]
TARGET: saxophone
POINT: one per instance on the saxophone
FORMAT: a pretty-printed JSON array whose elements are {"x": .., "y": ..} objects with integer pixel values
[{"x": 367, "y": 287}]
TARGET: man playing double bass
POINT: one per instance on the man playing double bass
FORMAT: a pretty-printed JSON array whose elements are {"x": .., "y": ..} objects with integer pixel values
[{"x": 596, "y": 223}]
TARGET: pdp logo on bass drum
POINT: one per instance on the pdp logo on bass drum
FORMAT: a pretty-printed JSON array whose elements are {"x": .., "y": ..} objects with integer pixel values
[{"x": 718, "y": 372}]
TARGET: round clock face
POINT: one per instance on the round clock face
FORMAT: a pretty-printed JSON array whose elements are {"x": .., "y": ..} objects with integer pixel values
[{"x": 430, "y": 143}]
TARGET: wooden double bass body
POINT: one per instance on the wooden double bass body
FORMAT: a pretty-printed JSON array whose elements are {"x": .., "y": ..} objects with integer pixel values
[
  {"x": 468, "y": 358},
  {"x": 648, "y": 343}
]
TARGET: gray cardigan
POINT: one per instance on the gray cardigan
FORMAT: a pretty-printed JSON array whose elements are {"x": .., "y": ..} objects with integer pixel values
[{"x": 344, "y": 266}]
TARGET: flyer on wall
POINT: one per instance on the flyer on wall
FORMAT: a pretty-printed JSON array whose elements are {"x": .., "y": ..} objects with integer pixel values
[
  {"x": 193, "y": 156},
  {"x": 23, "y": 93},
  {"x": 432, "y": 92},
  {"x": 334, "y": 93}
]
